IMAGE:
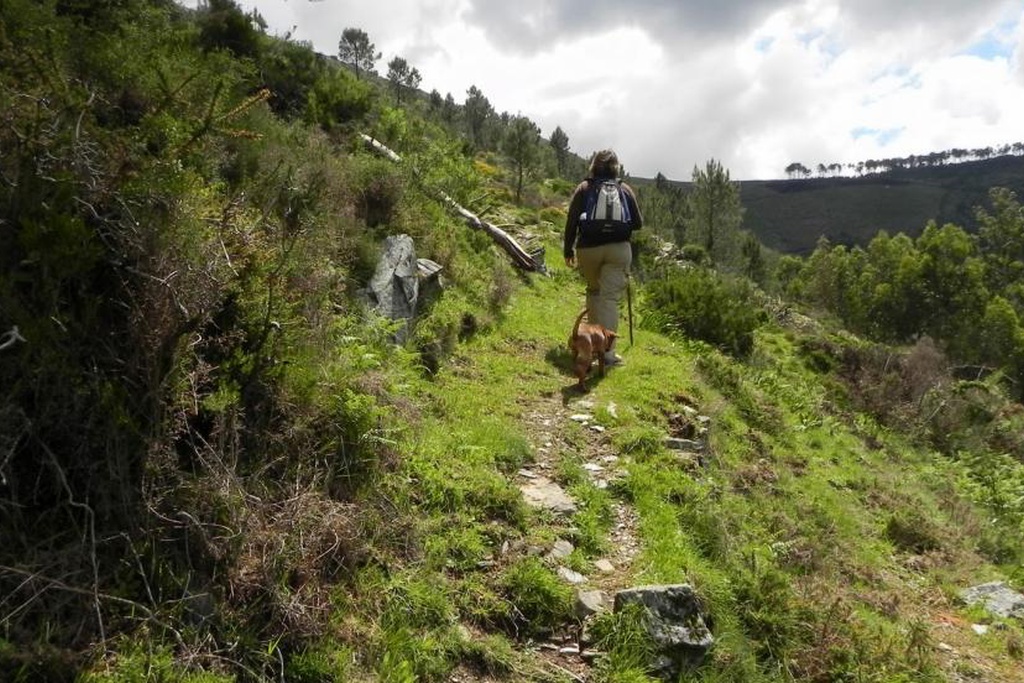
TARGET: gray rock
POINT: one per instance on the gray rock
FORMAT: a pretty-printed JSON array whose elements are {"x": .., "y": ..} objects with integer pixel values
[
  {"x": 677, "y": 444},
  {"x": 997, "y": 598},
  {"x": 431, "y": 283},
  {"x": 546, "y": 494},
  {"x": 570, "y": 576},
  {"x": 394, "y": 287},
  {"x": 560, "y": 550},
  {"x": 589, "y": 603},
  {"x": 675, "y": 623}
]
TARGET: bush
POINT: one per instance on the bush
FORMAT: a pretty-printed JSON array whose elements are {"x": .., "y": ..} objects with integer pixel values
[{"x": 703, "y": 305}]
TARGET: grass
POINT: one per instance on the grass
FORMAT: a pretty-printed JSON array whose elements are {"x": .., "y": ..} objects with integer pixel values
[{"x": 823, "y": 546}]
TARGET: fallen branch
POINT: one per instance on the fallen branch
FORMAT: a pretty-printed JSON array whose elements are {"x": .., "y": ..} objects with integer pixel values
[
  {"x": 10, "y": 337},
  {"x": 520, "y": 257}
]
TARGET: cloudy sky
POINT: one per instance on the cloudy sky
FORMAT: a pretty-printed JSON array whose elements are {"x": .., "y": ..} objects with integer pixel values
[{"x": 669, "y": 84}]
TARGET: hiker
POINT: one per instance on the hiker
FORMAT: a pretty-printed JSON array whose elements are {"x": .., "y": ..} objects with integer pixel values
[{"x": 603, "y": 213}]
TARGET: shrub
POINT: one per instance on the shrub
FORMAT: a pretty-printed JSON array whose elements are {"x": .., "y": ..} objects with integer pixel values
[
  {"x": 912, "y": 532},
  {"x": 337, "y": 98},
  {"x": 699, "y": 303}
]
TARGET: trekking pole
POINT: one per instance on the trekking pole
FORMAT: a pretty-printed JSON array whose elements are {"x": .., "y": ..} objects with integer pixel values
[{"x": 629, "y": 307}]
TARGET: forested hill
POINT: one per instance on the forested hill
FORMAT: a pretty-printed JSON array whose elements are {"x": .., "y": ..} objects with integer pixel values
[{"x": 791, "y": 215}]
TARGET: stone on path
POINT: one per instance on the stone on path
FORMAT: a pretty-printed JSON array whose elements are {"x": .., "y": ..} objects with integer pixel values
[
  {"x": 675, "y": 624},
  {"x": 590, "y": 602},
  {"x": 543, "y": 493},
  {"x": 570, "y": 576},
  {"x": 561, "y": 550}
]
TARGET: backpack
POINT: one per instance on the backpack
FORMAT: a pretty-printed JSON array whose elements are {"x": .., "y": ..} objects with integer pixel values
[{"x": 606, "y": 217}]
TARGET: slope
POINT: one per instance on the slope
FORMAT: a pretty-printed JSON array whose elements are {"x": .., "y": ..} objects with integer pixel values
[{"x": 824, "y": 547}]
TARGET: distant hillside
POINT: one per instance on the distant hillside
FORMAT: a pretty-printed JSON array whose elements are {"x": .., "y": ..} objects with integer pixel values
[{"x": 791, "y": 215}]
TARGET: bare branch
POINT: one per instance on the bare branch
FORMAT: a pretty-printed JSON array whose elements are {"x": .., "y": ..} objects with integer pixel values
[{"x": 10, "y": 337}]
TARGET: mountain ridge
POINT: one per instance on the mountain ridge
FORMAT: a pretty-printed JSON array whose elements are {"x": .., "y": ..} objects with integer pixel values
[{"x": 791, "y": 215}]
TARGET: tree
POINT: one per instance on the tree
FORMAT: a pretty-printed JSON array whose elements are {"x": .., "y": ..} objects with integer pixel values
[
  {"x": 665, "y": 210},
  {"x": 435, "y": 101},
  {"x": 796, "y": 169},
  {"x": 290, "y": 70},
  {"x": 715, "y": 212},
  {"x": 356, "y": 49},
  {"x": 449, "y": 110},
  {"x": 753, "y": 259},
  {"x": 1002, "y": 341},
  {"x": 477, "y": 110},
  {"x": 560, "y": 144},
  {"x": 521, "y": 145},
  {"x": 952, "y": 283},
  {"x": 225, "y": 25},
  {"x": 402, "y": 76},
  {"x": 1001, "y": 239},
  {"x": 891, "y": 288}
]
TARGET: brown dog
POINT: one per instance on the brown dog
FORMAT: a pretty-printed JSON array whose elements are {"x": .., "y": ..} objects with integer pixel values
[{"x": 586, "y": 341}]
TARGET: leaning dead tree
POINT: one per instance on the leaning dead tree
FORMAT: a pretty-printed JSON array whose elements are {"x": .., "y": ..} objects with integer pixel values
[{"x": 526, "y": 260}]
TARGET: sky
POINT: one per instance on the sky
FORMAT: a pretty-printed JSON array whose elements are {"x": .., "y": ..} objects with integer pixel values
[{"x": 671, "y": 84}]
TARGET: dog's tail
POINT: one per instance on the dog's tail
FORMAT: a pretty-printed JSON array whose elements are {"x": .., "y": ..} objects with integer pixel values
[{"x": 576, "y": 327}]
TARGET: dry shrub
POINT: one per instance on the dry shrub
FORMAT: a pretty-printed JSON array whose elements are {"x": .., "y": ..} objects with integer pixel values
[
  {"x": 892, "y": 385},
  {"x": 923, "y": 369},
  {"x": 291, "y": 552}
]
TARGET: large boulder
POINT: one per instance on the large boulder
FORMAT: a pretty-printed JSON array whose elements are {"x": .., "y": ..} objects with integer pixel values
[{"x": 402, "y": 284}]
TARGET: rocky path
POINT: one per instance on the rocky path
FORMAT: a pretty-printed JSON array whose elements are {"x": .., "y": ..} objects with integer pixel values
[{"x": 559, "y": 429}]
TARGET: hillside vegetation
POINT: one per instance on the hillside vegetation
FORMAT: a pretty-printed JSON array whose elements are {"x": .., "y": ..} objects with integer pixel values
[{"x": 219, "y": 462}]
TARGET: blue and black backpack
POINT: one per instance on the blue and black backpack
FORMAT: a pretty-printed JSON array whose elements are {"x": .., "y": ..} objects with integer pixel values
[{"x": 606, "y": 217}]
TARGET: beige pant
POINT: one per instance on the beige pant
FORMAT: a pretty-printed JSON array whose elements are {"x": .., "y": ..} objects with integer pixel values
[{"x": 604, "y": 269}]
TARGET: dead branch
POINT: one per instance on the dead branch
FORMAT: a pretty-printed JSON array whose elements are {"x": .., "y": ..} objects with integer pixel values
[
  {"x": 520, "y": 256},
  {"x": 10, "y": 337}
]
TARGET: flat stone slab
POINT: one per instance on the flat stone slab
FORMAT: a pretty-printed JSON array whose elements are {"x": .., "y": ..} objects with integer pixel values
[
  {"x": 543, "y": 493},
  {"x": 997, "y": 598}
]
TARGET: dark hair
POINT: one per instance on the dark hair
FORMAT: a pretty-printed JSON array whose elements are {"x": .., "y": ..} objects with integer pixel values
[{"x": 604, "y": 164}]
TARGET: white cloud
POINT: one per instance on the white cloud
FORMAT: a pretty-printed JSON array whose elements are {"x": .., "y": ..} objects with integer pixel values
[{"x": 756, "y": 84}]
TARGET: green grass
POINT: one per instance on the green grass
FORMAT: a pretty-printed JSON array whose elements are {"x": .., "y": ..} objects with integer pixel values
[
  {"x": 815, "y": 553},
  {"x": 795, "y": 532}
]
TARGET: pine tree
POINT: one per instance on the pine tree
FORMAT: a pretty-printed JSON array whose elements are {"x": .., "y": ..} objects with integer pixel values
[
  {"x": 560, "y": 144},
  {"x": 521, "y": 145},
  {"x": 356, "y": 49},
  {"x": 715, "y": 212}
]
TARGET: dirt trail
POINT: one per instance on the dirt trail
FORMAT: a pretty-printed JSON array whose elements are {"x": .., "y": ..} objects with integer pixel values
[{"x": 557, "y": 424}]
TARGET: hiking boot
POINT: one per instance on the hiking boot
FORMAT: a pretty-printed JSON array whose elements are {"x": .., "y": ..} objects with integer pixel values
[{"x": 612, "y": 359}]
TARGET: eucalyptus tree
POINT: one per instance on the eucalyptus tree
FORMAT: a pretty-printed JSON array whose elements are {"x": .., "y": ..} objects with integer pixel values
[{"x": 1001, "y": 242}]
